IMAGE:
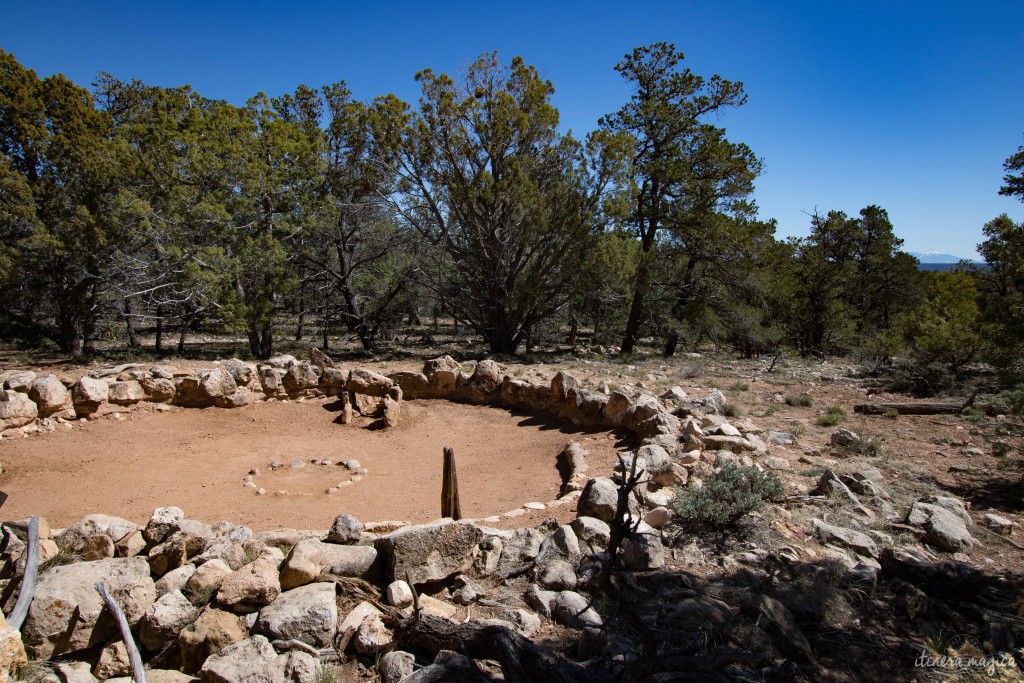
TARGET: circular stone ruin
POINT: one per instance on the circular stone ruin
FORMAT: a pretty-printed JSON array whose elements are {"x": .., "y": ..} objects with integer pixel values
[
  {"x": 220, "y": 599},
  {"x": 333, "y": 439}
]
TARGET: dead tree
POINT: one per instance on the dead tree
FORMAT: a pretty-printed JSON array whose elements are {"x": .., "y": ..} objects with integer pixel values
[
  {"x": 138, "y": 672},
  {"x": 28, "y": 582}
]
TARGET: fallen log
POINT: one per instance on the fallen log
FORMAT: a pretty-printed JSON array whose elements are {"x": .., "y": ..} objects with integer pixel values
[
  {"x": 115, "y": 371},
  {"x": 910, "y": 408},
  {"x": 138, "y": 672},
  {"x": 28, "y": 582}
]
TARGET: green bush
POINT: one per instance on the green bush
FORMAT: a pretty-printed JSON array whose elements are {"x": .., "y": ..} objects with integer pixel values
[
  {"x": 727, "y": 495},
  {"x": 799, "y": 400},
  {"x": 833, "y": 415}
]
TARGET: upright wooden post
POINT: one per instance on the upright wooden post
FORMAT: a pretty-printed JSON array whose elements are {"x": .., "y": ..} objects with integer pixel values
[{"x": 450, "y": 487}]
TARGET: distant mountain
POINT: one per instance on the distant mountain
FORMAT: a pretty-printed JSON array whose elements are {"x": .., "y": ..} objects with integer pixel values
[{"x": 937, "y": 257}]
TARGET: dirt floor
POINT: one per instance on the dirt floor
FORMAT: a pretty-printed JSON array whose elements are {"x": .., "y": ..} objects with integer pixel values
[{"x": 197, "y": 460}]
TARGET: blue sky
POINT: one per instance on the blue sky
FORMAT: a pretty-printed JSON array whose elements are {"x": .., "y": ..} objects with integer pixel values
[{"x": 913, "y": 106}]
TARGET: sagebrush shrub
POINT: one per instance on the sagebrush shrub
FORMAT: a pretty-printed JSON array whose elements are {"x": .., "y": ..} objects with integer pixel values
[{"x": 727, "y": 495}]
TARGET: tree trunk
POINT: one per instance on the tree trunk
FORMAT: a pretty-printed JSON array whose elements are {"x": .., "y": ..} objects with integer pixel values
[
  {"x": 129, "y": 321},
  {"x": 159, "y": 330},
  {"x": 261, "y": 341},
  {"x": 184, "y": 333},
  {"x": 327, "y": 327},
  {"x": 574, "y": 328},
  {"x": 302, "y": 313},
  {"x": 670, "y": 345}
]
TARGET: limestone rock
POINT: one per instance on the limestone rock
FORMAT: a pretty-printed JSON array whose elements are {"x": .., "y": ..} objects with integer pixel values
[
  {"x": 372, "y": 637},
  {"x": 844, "y": 438},
  {"x": 113, "y": 661},
  {"x": 392, "y": 411},
  {"x": 175, "y": 580},
  {"x": 573, "y": 610},
  {"x": 88, "y": 395},
  {"x": 251, "y": 660},
  {"x": 779, "y": 623},
  {"x": 591, "y": 532},
  {"x": 309, "y": 558},
  {"x": 846, "y": 538},
  {"x": 17, "y": 380},
  {"x": 442, "y": 373},
  {"x": 644, "y": 551},
  {"x": 998, "y": 524},
  {"x": 271, "y": 381},
  {"x": 300, "y": 377},
  {"x": 157, "y": 390},
  {"x": 561, "y": 384},
  {"x": 413, "y": 384},
  {"x": 67, "y": 613},
  {"x": 346, "y": 529},
  {"x": 558, "y": 575},
  {"x": 396, "y": 666},
  {"x": 125, "y": 393},
  {"x": 430, "y": 552},
  {"x": 162, "y": 522},
  {"x": 486, "y": 377},
  {"x": 370, "y": 383},
  {"x": 52, "y": 397},
  {"x": 399, "y": 594},
  {"x": 97, "y": 547},
  {"x": 16, "y": 409},
  {"x": 599, "y": 499},
  {"x": 165, "y": 618},
  {"x": 521, "y": 547},
  {"x": 944, "y": 529},
  {"x": 243, "y": 373},
  {"x": 254, "y": 584},
  {"x": 308, "y": 614},
  {"x": 12, "y": 650},
  {"x": 219, "y": 387},
  {"x": 208, "y": 577},
  {"x": 209, "y": 634}
]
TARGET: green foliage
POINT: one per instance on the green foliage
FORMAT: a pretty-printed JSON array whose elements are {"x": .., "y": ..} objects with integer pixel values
[
  {"x": 972, "y": 415},
  {"x": 802, "y": 400},
  {"x": 739, "y": 386},
  {"x": 945, "y": 327},
  {"x": 846, "y": 282},
  {"x": 1001, "y": 294},
  {"x": 832, "y": 415},
  {"x": 727, "y": 496}
]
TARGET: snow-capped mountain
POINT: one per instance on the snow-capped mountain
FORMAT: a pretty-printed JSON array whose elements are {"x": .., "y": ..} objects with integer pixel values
[{"x": 935, "y": 256}]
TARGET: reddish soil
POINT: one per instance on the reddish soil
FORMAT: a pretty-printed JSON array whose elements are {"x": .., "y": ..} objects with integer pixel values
[{"x": 196, "y": 460}]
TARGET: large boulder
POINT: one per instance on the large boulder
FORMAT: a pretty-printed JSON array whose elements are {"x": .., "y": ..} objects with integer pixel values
[
  {"x": 126, "y": 393},
  {"x": 243, "y": 373},
  {"x": 271, "y": 381},
  {"x": 431, "y": 552},
  {"x": 218, "y": 387},
  {"x": 52, "y": 397},
  {"x": 157, "y": 389},
  {"x": 846, "y": 538},
  {"x": 308, "y": 614},
  {"x": 414, "y": 384},
  {"x": 442, "y": 373},
  {"x": 12, "y": 650},
  {"x": 165, "y": 618},
  {"x": 67, "y": 613},
  {"x": 300, "y": 377},
  {"x": 309, "y": 558},
  {"x": 17, "y": 380},
  {"x": 16, "y": 409},
  {"x": 254, "y": 584},
  {"x": 599, "y": 499},
  {"x": 486, "y": 377},
  {"x": 210, "y": 633},
  {"x": 250, "y": 661},
  {"x": 943, "y": 528},
  {"x": 369, "y": 383}
]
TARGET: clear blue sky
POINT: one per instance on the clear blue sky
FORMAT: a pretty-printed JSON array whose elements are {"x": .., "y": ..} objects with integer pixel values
[{"x": 913, "y": 106}]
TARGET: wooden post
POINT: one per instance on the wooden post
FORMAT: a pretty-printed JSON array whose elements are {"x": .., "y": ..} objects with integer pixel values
[
  {"x": 450, "y": 487},
  {"x": 138, "y": 671}
]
